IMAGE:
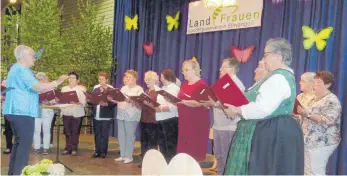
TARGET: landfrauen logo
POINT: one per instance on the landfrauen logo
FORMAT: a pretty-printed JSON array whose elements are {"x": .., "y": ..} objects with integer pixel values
[
  {"x": 215, "y": 15},
  {"x": 217, "y": 8}
]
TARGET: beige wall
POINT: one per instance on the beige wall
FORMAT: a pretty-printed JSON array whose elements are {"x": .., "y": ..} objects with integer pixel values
[{"x": 106, "y": 8}]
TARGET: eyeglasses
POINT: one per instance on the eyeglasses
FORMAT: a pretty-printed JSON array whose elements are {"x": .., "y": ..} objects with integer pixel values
[
  {"x": 266, "y": 54},
  {"x": 225, "y": 67}
]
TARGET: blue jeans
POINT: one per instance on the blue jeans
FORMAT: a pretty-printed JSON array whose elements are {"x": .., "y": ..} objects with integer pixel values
[{"x": 23, "y": 131}]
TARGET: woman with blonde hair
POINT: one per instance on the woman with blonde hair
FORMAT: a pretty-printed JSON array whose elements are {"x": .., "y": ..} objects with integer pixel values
[
  {"x": 194, "y": 122},
  {"x": 128, "y": 117}
]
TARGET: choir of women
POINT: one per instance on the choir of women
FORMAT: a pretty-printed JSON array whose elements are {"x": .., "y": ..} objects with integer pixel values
[{"x": 263, "y": 136}]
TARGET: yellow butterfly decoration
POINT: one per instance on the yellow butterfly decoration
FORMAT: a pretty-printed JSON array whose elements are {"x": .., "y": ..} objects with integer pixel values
[
  {"x": 311, "y": 37},
  {"x": 131, "y": 23},
  {"x": 172, "y": 22}
]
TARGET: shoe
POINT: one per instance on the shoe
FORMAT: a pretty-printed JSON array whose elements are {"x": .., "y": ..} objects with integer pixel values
[
  {"x": 45, "y": 152},
  {"x": 7, "y": 151},
  {"x": 37, "y": 151},
  {"x": 73, "y": 153},
  {"x": 96, "y": 155},
  {"x": 103, "y": 155},
  {"x": 128, "y": 160},
  {"x": 65, "y": 152},
  {"x": 120, "y": 159}
]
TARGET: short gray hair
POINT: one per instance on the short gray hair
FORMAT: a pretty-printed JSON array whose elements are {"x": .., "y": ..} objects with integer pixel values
[
  {"x": 282, "y": 47},
  {"x": 20, "y": 51},
  {"x": 233, "y": 63},
  {"x": 309, "y": 76}
]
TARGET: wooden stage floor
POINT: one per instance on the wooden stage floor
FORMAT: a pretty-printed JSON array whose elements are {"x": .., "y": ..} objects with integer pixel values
[{"x": 83, "y": 164}]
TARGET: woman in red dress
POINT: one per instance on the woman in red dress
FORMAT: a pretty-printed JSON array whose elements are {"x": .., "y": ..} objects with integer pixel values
[{"x": 194, "y": 122}]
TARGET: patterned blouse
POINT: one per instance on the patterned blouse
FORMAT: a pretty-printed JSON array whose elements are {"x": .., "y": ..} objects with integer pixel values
[
  {"x": 128, "y": 111},
  {"x": 323, "y": 134}
]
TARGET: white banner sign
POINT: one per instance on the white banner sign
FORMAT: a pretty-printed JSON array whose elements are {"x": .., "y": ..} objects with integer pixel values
[{"x": 219, "y": 15}]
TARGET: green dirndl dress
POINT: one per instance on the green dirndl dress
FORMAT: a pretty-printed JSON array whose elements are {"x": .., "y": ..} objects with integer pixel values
[{"x": 269, "y": 146}]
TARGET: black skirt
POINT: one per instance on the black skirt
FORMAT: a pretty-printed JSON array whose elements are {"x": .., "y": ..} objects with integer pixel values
[{"x": 277, "y": 148}]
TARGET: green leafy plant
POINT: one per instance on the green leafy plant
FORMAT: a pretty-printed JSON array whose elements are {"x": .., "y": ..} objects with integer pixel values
[
  {"x": 88, "y": 44},
  {"x": 85, "y": 46},
  {"x": 9, "y": 39},
  {"x": 40, "y": 28},
  {"x": 40, "y": 168}
]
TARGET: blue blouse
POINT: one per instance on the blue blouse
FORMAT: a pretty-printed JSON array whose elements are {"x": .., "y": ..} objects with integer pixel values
[{"x": 21, "y": 100}]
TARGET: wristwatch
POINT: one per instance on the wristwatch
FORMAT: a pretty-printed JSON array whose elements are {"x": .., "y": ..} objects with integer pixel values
[{"x": 239, "y": 113}]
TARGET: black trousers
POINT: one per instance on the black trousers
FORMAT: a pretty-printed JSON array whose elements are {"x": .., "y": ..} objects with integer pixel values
[
  {"x": 101, "y": 135},
  {"x": 149, "y": 137},
  {"x": 8, "y": 134},
  {"x": 167, "y": 137}
]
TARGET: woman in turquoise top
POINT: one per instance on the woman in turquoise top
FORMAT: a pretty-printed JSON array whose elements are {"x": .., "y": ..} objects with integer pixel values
[
  {"x": 22, "y": 105},
  {"x": 268, "y": 141}
]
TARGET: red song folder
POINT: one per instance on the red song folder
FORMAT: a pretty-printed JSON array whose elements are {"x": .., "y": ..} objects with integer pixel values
[
  {"x": 116, "y": 94},
  {"x": 140, "y": 100},
  {"x": 4, "y": 89},
  {"x": 67, "y": 97},
  {"x": 96, "y": 98},
  {"x": 47, "y": 96},
  {"x": 203, "y": 92},
  {"x": 228, "y": 92},
  {"x": 172, "y": 99},
  {"x": 149, "y": 100},
  {"x": 296, "y": 106}
]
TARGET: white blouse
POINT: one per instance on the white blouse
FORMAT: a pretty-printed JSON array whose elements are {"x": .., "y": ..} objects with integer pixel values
[
  {"x": 76, "y": 111},
  {"x": 173, "y": 89}
]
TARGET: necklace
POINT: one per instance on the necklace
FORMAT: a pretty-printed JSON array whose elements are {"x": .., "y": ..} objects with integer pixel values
[{"x": 317, "y": 99}]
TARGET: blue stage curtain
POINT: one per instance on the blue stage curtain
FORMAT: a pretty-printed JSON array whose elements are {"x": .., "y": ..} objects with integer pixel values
[{"x": 280, "y": 19}]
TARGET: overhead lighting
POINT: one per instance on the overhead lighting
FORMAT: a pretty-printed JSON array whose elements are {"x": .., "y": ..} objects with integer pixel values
[
  {"x": 13, "y": 1},
  {"x": 229, "y": 2}
]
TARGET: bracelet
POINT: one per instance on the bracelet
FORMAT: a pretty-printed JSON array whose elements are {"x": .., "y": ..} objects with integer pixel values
[{"x": 55, "y": 83}]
